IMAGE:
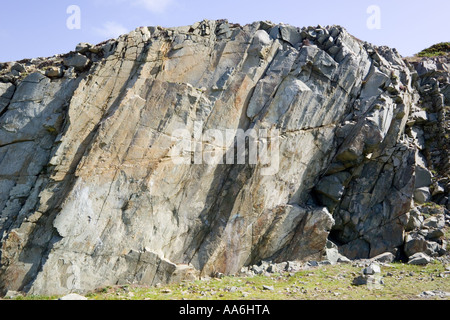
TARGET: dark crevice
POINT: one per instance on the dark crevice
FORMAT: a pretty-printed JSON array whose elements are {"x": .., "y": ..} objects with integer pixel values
[{"x": 15, "y": 142}]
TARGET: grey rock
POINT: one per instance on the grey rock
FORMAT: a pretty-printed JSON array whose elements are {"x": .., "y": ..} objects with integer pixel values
[
  {"x": 282, "y": 266},
  {"x": 423, "y": 177},
  {"x": 386, "y": 257},
  {"x": 7, "y": 90},
  {"x": 95, "y": 49},
  {"x": 419, "y": 117},
  {"x": 416, "y": 243},
  {"x": 343, "y": 260},
  {"x": 18, "y": 67},
  {"x": 435, "y": 222},
  {"x": 415, "y": 220},
  {"x": 83, "y": 47},
  {"x": 233, "y": 289},
  {"x": 12, "y": 294},
  {"x": 6, "y": 93},
  {"x": 435, "y": 234},
  {"x": 438, "y": 190},
  {"x": 432, "y": 117},
  {"x": 429, "y": 294},
  {"x": 73, "y": 297},
  {"x": 78, "y": 61},
  {"x": 375, "y": 282},
  {"x": 268, "y": 288},
  {"x": 374, "y": 82},
  {"x": 442, "y": 251},
  {"x": 418, "y": 135},
  {"x": 333, "y": 255},
  {"x": 371, "y": 281},
  {"x": 260, "y": 43},
  {"x": 370, "y": 276},
  {"x": 419, "y": 259},
  {"x": 184, "y": 272},
  {"x": 266, "y": 25},
  {"x": 374, "y": 195},
  {"x": 35, "y": 77},
  {"x": 277, "y": 267},
  {"x": 360, "y": 281},
  {"x": 333, "y": 186},
  {"x": 272, "y": 268},
  {"x": 422, "y": 195},
  {"x": 294, "y": 266},
  {"x": 372, "y": 269},
  {"x": 54, "y": 72},
  {"x": 290, "y": 34},
  {"x": 313, "y": 264},
  {"x": 224, "y": 30},
  {"x": 89, "y": 194},
  {"x": 258, "y": 270},
  {"x": 274, "y": 32}
]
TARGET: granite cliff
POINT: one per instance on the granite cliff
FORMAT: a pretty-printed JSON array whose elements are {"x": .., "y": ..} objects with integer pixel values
[{"x": 98, "y": 187}]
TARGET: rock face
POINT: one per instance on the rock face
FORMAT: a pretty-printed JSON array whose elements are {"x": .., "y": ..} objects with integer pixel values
[{"x": 99, "y": 187}]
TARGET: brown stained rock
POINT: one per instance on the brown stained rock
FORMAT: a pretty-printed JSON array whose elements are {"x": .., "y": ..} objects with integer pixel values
[{"x": 97, "y": 199}]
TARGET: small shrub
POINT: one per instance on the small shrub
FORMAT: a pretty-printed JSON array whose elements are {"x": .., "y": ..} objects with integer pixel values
[{"x": 440, "y": 49}]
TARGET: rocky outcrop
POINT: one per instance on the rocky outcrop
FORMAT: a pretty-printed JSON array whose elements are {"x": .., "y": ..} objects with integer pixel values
[
  {"x": 99, "y": 186},
  {"x": 429, "y": 126}
]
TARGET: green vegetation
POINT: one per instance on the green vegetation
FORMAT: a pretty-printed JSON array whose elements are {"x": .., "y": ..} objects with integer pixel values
[
  {"x": 328, "y": 282},
  {"x": 323, "y": 283},
  {"x": 431, "y": 204},
  {"x": 401, "y": 282},
  {"x": 36, "y": 298},
  {"x": 440, "y": 49}
]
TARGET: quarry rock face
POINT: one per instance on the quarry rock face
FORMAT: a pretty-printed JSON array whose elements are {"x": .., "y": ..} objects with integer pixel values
[{"x": 169, "y": 154}]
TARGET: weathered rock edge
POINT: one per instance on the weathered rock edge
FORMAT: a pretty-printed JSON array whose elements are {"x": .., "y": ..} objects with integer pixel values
[{"x": 90, "y": 198}]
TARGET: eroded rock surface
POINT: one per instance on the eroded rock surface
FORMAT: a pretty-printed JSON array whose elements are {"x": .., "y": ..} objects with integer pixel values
[{"x": 90, "y": 194}]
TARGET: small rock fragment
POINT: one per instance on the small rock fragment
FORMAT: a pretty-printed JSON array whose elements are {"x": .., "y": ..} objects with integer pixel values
[{"x": 73, "y": 296}]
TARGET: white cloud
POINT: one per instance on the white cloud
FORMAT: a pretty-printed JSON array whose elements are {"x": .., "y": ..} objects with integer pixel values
[
  {"x": 111, "y": 29},
  {"x": 156, "y": 6}
]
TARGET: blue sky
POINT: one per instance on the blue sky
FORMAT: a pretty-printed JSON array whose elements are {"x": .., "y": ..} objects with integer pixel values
[{"x": 30, "y": 28}]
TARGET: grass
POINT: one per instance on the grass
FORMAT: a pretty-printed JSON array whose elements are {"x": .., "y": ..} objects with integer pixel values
[
  {"x": 431, "y": 204},
  {"x": 36, "y": 298},
  {"x": 440, "y": 49},
  {"x": 328, "y": 282},
  {"x": 401, "y": 282}
]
